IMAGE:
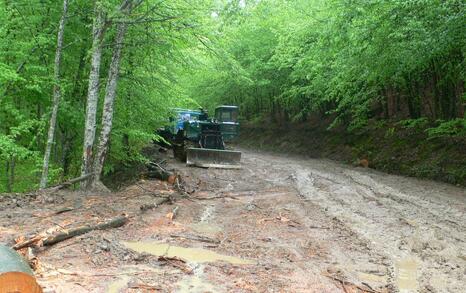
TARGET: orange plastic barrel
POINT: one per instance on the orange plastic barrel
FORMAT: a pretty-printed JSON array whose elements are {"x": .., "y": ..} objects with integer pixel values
[{"x": 15, "y": 274}]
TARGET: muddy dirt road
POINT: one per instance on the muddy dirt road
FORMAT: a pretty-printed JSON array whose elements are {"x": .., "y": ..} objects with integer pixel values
[
  {"x": 281, "y": 224},
  {"x": 406, "y": 233}
]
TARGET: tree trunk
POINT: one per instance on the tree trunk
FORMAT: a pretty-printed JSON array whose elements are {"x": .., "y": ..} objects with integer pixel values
[
  {"x": 98, "y": 30},
  {"x": 10, "y": 173},
  {"x": 7, "y": 176},
  {"x": 109, "y": 101},
  {"x": 56, "y": 97},
  {"x": 77, "y": 87},
  {"x": 65, "y": 153},
  {"x": 459, "y": 99}
]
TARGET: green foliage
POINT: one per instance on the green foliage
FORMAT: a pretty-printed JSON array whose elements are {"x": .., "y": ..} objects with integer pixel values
[
  {"x": 154, "y": 51},
  {"x": 420, "y": 123},
  {"x": 348, "y": 62},
  {"x": 351, "y": 61},
  {"x": 452, "y": 128}
]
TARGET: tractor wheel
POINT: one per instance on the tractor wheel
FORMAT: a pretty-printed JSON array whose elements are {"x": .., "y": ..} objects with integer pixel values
[
  {"x": 179, "y": 142},
  {"x": 179, "y": 152}
]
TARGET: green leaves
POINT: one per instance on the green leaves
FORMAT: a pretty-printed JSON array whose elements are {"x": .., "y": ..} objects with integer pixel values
[
  {"x": 340, "y": 58},
  {"x": 7, "y": 74},
  {"x": 337, "y": 60},
  {"x": 448, "y": 129}
]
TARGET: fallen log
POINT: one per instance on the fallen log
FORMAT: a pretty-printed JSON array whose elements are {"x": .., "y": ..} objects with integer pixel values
[
  {"x": 154, "y": 205},
  {"x": 159, "y": 174},
  {"x": 57, "y": 212},
  {"x": 63, "y": 210},
  {"x": 177, "y": 263},
  {"x": 66, "y": 183},
  {"x": 155, "y": 170},
  {"x": 52, "y": 239},
  {"x": 197, "y": 238},
  {"x": 345, "y": 284}
]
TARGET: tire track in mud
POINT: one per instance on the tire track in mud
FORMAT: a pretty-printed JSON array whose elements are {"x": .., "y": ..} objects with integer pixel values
[
  {"x": 417, "y": 233},
  {"x": 379, "y": 224}
]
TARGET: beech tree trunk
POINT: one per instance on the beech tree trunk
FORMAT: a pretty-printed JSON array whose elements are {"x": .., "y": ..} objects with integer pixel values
[
  {"x": 109, "y": 101},
  {"x": 56, "y": 97},
  {"x": 98, "y": 30},
  {"x": 110, "y": 93}
]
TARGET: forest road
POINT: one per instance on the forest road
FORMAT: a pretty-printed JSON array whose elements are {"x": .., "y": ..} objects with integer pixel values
[
  {"x": 279, "y": 224},
  {"x": 376, "y": 228}
]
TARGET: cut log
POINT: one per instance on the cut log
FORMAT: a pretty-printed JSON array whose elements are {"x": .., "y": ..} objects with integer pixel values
[
  {"x": 50, "y": 240},
  {"x": 63, "y": 210},
  {"x": 159, "y": 174},
  {"x": 18, "y": 282},
  {"x": 156, "y": 170},
  {"x": 154, "y": 205},
  {"x": 171, "y": 179},
  {"x": 15, "y": 273},
  {"x": 67, "y": 183}
]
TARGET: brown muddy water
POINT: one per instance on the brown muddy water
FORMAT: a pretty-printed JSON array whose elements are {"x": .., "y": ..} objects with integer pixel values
[{"x": 196, "y": 255}]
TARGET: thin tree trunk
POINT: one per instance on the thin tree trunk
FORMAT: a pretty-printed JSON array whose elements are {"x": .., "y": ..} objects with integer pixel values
[
  {"x": 77, "y": 87},
  {"x": 109, "y": 101},
  {"x": 93, "y": 93},
  {"x": 11, "y": 175},
  {"x": 459, "y": 95},
  {"x": 7, "y": 176},
  {"x": 56, "y": 97}
]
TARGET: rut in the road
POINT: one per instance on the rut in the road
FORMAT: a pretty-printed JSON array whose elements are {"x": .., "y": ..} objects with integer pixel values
[{"x": 417, "y": 226}]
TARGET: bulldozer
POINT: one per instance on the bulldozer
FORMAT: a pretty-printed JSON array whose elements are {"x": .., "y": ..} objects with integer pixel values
[{"x": 200, "y": 141}]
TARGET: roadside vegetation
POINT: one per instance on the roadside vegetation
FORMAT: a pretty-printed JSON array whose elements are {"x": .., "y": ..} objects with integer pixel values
[
  {"x": 84, "y": 84},
  {"x": 377, "y": 80}
]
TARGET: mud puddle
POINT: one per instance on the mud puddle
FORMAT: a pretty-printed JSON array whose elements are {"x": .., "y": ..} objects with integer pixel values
[
  {"x": 196, "y": 255},
  {"x": 372, "y": 278},
  {"x": 406, "y": 271},
  {"x": 118, "y": 285}
]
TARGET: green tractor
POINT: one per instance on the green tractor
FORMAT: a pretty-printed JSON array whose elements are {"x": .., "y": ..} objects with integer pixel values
[{"x": 200, "y": 141}]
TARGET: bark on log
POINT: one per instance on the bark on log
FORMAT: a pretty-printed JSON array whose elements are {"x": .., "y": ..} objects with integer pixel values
[
  {"x": 159, "y": 172},
  {"x": 67, "y": 183},
  {"x": 15, "y": 273},
  {"x": 158, "y": 202},
  {"x": 50, "y": 240}
]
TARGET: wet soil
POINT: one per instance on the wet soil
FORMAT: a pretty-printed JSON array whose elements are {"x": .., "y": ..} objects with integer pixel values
[{"x": 280, "y": 224}]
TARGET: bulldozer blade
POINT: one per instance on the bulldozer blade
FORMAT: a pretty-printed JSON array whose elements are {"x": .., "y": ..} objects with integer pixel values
[{"x": 212, "y": 158}]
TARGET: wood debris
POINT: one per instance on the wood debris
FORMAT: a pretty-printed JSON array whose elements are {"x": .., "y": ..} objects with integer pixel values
[
  {"x": 45, "y": 239},
  {"x": 349, "y": 287},
  {"x": 171, "y": 215},
  {"x": 176, "y": 262}
]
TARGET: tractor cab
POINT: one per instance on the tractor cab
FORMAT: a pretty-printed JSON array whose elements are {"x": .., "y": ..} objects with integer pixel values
[
  {"x": 226, "y": 114},
  {"x": 227, "y": 117}
]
